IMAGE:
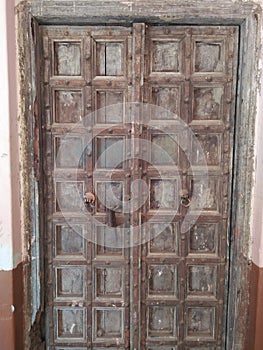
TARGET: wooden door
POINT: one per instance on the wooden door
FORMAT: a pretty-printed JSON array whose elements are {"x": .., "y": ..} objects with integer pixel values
[{"x": 123, "y": 275}]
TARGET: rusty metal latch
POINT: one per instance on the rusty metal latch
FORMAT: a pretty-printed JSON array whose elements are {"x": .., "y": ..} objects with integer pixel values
[
  {"x": 89, "y": 199},
  {"x": 185, "y": 199}
]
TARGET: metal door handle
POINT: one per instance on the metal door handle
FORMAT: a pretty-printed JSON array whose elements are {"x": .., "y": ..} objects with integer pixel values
[
  {"x": 185, "y": 199},
  {"x": 89, "y": 199}
]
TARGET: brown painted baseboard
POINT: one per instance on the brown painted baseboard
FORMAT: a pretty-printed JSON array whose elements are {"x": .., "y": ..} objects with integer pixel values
[
  {"x": 7, "y": 335},
  {"x": 11, "y": 309},
  {"x": 254, "y": 336}
]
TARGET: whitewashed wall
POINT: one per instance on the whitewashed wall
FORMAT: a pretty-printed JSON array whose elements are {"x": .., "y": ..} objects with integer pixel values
[{"x": 6, "y": 246}]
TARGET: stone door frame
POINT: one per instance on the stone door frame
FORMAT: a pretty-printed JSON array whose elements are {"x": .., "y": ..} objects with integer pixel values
[{"x": 30, "y": 14}]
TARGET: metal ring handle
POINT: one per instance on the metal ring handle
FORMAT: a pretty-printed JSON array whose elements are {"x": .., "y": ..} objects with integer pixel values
[
  {"x": 185, "y": 202},
  {"x": 89, "y": 199}
]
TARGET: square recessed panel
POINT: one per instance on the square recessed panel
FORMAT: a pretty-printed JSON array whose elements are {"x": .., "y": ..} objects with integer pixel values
[
  {"x": 68, "y": 106},
  {"x": 109, "y": 152},
  {"x": 209, "y": 56},
  {"x": 70, "y": 324},
  {"x": 166, "y": 56},
  {"x": 67, "y": 58},
  {"x": 203, "y": 239},
  {"x": 164, "y": 149},
  {"x": 163, "y": 238},
  {"x": 163, "y": 194},
  {"x": 68, "y": 152},
  {"x": 110, "y": 106},
  {"x": 201, "y": 281},
  {"x": 110, "y": 195},
  {"x": 69, "y": 196},
  {"x": 108, "y": 324},
  {"x": 110, "y": 58},
  {"x": 209, "y": 148},
  {"x": 207, "y": 194},
  {"x": 70, "y": 282},
  {"x": 207, "y": 103},
  {"x": 108, "y": 242},
  {"x": 167, "y": 101},
  {"x": 200, "y": 323},
  {"x": 69, "y": 241},
  {"x": 162, "y": 322},
  {"x": 109, "y": 282},
  {"x": 162, "y": 281}
]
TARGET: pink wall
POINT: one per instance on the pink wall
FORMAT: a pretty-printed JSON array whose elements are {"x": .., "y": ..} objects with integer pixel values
[
  {"x": 257, "y": 212},
  {"x": 10, "y": 231}
]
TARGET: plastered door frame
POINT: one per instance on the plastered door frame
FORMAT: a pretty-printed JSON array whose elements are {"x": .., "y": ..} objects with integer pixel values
[{"x": 246, "y": 15}]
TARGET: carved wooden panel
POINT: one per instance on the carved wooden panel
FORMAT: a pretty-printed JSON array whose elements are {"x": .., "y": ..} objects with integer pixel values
[
  {"x": 163, "y": 238},
  {"x": 108, "y": 155},
  {"x": 69, "y": 241},
  {"x": 103, "y": 289},
  {"x": 166, "y": 56},
  {"x": 168, "y": 98},
  {"x": 77, "y": 60},
  {"x": 109, "y": 282},
  {"x": 191, "y": 79},
  {"x": 108, "y": 324},
  {"x": 110, "y": 195},
  {"x": 163, "y": 194},
  {"x": 203, "y": 239},
  {"x": 69, "y": 152},
  {"x": 69, "y": 196},
  {"x": 110, "y": 58},
  {"x": 67, "y": 58},
  {"x": 70, "y": 324},
  {"x": 209, "y": 56},
  {"x": 165, "y": 149},
  {"x": 162, "y": 322},
  {"x": 109, "y": 105},
  {"x": 208, "y": 199},
  {"x": 162, "y": 280},
  {"x": 207, "y": 103},
  {"x": 201, "y": 323},
  {"x": 70, "y": 282},
  {"x": 201, "y": 281},
  {"x": 68, "y": 106},
  {"x": 211, "y": 149},
  {"x": 108, "y": 243}
]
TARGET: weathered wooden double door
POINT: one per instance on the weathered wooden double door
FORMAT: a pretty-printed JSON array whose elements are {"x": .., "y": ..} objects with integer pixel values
[{"x": 104, "y": 290}]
